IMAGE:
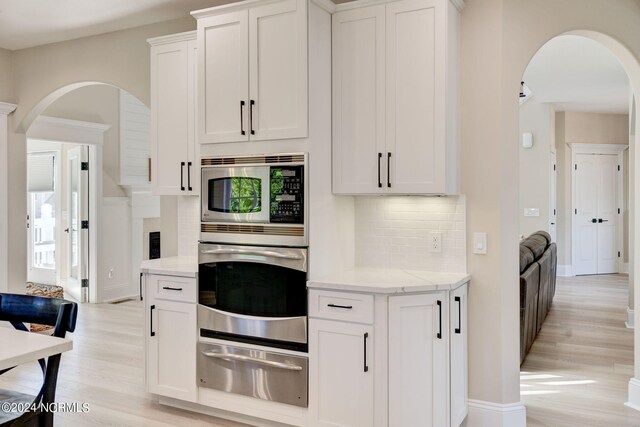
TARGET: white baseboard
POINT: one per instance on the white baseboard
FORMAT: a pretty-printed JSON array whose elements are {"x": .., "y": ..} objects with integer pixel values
[
  {"x": 565, "y": 271},
  {"x": 489, "y": 414},
  {"x": 630, "y": 322},
  {"x": 634, "y": 394}
]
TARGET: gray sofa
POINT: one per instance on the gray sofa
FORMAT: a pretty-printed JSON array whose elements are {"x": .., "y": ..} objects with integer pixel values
[{"x": 538, "y": 265}]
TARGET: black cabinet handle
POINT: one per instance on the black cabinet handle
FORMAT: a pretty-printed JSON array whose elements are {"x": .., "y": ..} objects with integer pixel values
[
  {"x": 439, "y": 334},
  {"x": 171, "y": 289},
  {"x": 141, "y": 287},
  {"x": 182, "y": 176},
  {"x": 153, "y": 334},
  {"x": 600, "y": 220},
  {"x": 388, "y": 169},
  {"x": 253, "y": 103},
  {"x": 459, "y": 328},
  {"x": 379, "y": 182},
  {"x": 347, "y": 307},
  {"x": 366, "y": 368},
  {"x": 189, "y": 176},
  {"x": 241, "y": 118},
  {"x": 593, "y": 220}
]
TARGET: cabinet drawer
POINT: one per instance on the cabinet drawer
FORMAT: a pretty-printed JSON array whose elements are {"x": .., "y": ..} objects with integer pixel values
[
  {"x": 344, "y": 306},
  {"x": 172, "y": 288}
]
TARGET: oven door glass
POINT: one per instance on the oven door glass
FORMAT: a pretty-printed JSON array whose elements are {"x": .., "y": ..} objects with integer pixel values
[{"x": 253, "y": 289}]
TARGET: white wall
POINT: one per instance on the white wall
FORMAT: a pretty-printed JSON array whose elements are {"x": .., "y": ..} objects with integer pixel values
[
  {"x": 114, "y": 268},
  {"x": 6, "y": 83},
  {"x": 538, "y": 119},
  {"x": 188, "y": 225},
  {"x": 394, "y": 232},
  {"x": 97, "y": 104},
  {"x": 41, "y": 74}
]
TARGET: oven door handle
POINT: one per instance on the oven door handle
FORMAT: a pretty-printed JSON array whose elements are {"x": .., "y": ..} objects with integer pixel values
[
  {"x": 240, "y": 358},
  {"x": 271, "y": 254}
]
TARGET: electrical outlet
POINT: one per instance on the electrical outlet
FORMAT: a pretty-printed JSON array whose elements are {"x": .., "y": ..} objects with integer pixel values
[{"x": 435, "y": 241}]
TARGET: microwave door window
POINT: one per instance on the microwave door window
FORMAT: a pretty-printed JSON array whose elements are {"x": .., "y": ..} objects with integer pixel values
[{"x": 235, "y": 195}]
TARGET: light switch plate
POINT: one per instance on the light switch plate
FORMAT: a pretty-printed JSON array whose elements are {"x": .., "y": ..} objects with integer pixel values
[
  {"x": 480, "y": 243},
  {"x": 531, "y": 212}
]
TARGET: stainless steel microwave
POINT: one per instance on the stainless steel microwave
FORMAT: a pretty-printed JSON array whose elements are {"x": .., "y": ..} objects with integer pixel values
[{"x": 255, "y": 199}]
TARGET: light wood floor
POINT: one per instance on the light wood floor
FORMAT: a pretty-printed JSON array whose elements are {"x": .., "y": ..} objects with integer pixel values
[
  {"x": 579, "y": 366},
  {"x": 106, "y": 369}
]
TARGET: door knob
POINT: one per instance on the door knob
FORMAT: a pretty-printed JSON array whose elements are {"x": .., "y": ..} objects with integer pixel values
[
  {"x": 66, "y": 230},
  {"x": 593, "y": 220},
  {"x": 600, "y": 220}
]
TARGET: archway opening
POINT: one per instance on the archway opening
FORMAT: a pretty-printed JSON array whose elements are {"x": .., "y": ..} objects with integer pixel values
[{"x": 577, "y": 159}]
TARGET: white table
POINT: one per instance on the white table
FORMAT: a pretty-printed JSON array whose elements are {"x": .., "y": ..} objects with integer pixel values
[{"x": 18, "y": 347}]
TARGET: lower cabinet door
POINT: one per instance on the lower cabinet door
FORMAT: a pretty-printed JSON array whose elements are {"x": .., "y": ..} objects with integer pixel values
[
  {"x": 459, "y": 363},
  {"x": 418, "y": 361},
  {"x": 340, "y": 374},
  {"x": 171, "y": 341}
]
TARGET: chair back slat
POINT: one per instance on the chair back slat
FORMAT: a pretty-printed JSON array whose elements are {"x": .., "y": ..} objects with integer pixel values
[{"x": 57, "y": 312}]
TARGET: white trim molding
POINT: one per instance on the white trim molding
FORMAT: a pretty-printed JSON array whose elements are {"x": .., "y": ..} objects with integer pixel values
[
  {"x": 5, "y": 110},
  {"x": 630, "y": 323},
  {"x": 489, "y": 414},
  {"x": 173, "y": 38},
  {"x": 65, "y": 130},
  {"x": 634, "y": 394}
]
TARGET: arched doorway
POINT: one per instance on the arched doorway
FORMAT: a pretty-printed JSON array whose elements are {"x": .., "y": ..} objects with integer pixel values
[
  {"x": 109, "y": 267},
  {"x": 554, "y": 381}
]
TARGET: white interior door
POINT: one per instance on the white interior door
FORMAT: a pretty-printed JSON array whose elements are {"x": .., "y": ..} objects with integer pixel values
[
  {"x": 595, "y": 214},
  {"x": 553, "y": 188},
  {"x": 78, "y": 211}
]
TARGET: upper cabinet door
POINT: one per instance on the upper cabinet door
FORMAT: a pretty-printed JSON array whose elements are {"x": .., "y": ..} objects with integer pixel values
[
  {"x": 223, "y": 78},
  {"x": 278, "y": 70},
  {"x": 415, "y": 89},
  {"x": 359, "y": 100},
  {"x": 169, "y": 117}
]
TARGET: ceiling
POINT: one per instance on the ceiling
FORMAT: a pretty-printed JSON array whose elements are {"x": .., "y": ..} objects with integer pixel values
[
  {"x": 578, "y": 74},
  {"x": 28, "y": 23}
]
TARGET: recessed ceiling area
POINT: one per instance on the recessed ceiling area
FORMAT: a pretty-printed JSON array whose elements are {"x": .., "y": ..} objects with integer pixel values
[
  {"x": 28, "y": 23},
  {"x": 575, "y": 73}
]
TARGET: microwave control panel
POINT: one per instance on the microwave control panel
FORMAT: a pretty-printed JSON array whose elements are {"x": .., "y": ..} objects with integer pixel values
[{"x": 287, "y": 194}]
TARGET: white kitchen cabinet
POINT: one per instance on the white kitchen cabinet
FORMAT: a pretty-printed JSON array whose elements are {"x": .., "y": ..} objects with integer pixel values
[
  {"x": 394, "y": 98},
  {"x": 458, "y": 351},
  {"x": 418, "y": 360},
  {"x": 171, "y": 336},
  {"x": 341, "y": 388},
  {"x": 252, "y": 73},
  {"x": 174, "y": 157},
  {"x": 417, "y": 363}
]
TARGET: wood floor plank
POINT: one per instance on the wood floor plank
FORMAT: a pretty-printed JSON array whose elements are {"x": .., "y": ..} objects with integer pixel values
[{"x": 579, "y": 367}]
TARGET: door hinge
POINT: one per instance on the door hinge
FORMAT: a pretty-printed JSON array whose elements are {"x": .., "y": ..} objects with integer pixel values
[
  {"x": 618, "y": 254},
  {"x": 84, "y": 166},
  {"x": 576, "y": 210},
  {"x": 618, "y": 210},
  {"x": 84, "y": 283},
  {"x": 554, "y": 167},
  {"x": 575, "y": 166},
  {"x": 554, "y": 211},
  {"x": 84, "y": 225},
  {"x": 618, "y": 168}
]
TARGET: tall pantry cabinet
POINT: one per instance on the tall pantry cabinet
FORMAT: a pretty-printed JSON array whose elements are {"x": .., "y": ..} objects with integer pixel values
[{"x": 394, "y": 97}]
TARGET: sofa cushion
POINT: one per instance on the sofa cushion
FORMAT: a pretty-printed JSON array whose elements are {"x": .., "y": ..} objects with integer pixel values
[
  {"x": 544, "y": 234},
  {"x": 544, "y": 288},
  {"x": 529, "y": 282},
  {"x": 536, "y": 243},
  {"x": 526, "y": 258}
]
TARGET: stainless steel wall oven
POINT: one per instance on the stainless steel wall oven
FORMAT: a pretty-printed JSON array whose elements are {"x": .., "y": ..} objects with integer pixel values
[{"x": 254, "y": 295}]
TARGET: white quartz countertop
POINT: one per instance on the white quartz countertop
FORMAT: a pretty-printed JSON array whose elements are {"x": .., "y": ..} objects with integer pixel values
[
  {"x": 172, "y": 266},
  {"x": 390, "y": 281}
]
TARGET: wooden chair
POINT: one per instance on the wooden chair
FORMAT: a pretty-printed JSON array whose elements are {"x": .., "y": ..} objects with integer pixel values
[{"x": 20, "y": 309}]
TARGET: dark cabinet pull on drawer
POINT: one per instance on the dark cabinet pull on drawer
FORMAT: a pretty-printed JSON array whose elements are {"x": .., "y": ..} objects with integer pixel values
[
  {"x": 168, "y": 288},
  {"x": 347, "y": 307},
  {"x": 439, "y": 334},
  {"x": 366, "y": 367},
  {"x": 152, "y": 333},
  {"x": 458, "y": 330}
]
